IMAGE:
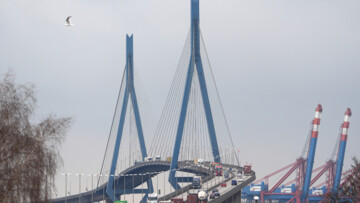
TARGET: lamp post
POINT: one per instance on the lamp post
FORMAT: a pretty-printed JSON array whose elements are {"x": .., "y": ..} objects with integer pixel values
[
  {"x": 164, "y": 183},
  {"x": 182, "y": 183},
  {"x": 124, "y": 186},
  {"x": 133, "y": 186},
  {"x": 70, "y": 188},
  {"x": 157, "y": 184},
  {"x": 104, "y": 187},
  {"x": 142, "y": 187},
  {"x": 66, "y": 174},
  {"x": 79, "y": 174},
  {"x": 92, "y": 186},
  {"x": 114, "y": 185}
]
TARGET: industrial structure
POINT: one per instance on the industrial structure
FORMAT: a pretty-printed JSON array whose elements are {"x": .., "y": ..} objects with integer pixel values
[{"x": 299, "y": 189}]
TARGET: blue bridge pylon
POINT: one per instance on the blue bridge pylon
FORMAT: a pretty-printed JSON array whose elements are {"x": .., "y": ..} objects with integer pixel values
[
  {"x": 195, "y": 62},
  {"x": 129, "y": 94}
]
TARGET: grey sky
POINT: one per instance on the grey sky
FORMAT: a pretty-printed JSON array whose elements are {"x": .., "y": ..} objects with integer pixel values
[{"x": 273, "y": 61}]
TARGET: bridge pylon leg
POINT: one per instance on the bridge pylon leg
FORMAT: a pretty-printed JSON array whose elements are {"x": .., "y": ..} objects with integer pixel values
[
  {"x": 128, "y": 95},
  {"x": 195, "y": 62},
  {"x": 172, "y": 180}
]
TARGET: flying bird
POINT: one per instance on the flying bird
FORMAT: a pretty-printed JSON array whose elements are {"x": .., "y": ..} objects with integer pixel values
[{"x": 68, "y": 22}]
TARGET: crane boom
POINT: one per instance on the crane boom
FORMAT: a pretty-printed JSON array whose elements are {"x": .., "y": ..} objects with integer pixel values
[
  {"x": 311, "y": 154},
  {"x": 341, "y": 153}
]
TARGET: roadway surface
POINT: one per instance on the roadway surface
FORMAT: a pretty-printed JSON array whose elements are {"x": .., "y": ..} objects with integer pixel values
[{"x": 215, "y": 182}]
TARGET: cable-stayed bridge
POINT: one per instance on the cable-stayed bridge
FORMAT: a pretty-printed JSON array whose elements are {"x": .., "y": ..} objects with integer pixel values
[
  {"x": 191, "y": 136},
  {"x": 192, "y": 133}
]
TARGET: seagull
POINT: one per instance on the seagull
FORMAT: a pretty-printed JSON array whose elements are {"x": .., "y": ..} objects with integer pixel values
[{"x": 68, "y": 22}]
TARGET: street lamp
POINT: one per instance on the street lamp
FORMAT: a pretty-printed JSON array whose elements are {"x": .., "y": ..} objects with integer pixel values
[
  {"x": 114, "y": 185},
  {"x": 70, "y": 188},
  {"x": 104, "y": 187},
  {"x": 164, "y": 183},
  {"x": 157, "y": 184},
  {"x": 79, "y": 174},
  {"x": 66, "y": 174},
  {"x": 124, "y": 187},
  {"x": 133, "y": 185},
  {"x": 101, "y": 175},
  {"x": 182, "y": 179},
  {"x": 142, "y": 187},
  {"x": 92, "y": 186}
]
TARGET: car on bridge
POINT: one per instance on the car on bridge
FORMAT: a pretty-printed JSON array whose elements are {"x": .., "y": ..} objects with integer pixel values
[
  {"x": 239, "y": 174},
  {"x": 233, "y": 182},
  {"x": 200, "y": 162},
  {"x": 223, "y": 184},
  {"x": 153, "y": 198},
  {"x": 148, "y": 158},
  {"x": 226, "y": 174}
]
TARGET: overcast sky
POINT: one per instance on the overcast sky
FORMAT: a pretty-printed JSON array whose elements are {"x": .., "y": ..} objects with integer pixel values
[{"x": 273, "y": 62}]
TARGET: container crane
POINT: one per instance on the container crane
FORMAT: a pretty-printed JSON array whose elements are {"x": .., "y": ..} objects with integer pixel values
[
  {"x": 311, "y": 156},
  {"x": 341, "y": 152}
]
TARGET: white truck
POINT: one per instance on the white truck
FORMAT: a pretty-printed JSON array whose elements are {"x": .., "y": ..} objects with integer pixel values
[{"x": 202, "y": 195}]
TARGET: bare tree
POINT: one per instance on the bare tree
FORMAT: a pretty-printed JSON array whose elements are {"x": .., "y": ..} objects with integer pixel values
[
  {"x": 351, "y": 186},
  {"x": 29, "y": 152},
  {"x": 349, "y": 190}
]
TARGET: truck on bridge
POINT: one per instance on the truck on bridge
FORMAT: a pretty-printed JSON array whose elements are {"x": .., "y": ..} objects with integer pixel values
[
  {"x": 218, "y": 170},
  {"x": 247, "y": 170},
  {"x": 196, "y": 184},
  {"x": 213, "y": 165},
  {"x": 197, "y": 197}
]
